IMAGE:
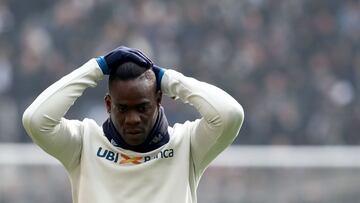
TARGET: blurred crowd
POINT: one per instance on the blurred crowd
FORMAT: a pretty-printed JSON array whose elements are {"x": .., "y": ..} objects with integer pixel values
[{"x": 294, "y": 65}]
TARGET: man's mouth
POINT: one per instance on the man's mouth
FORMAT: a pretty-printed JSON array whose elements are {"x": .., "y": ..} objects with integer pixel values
[{"x": 134, "y": 132}]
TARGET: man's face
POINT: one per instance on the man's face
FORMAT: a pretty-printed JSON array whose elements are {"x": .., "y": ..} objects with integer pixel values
[{"x": 133, "y": 107}]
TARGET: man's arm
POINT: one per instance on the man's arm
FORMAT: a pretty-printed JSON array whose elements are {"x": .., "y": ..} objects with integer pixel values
[
  {"x": 43, "y": 119},
  {"x": 222, "y": 116}
]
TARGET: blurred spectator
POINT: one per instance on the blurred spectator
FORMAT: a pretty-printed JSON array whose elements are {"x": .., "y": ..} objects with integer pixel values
[{"x": 293, "y": 64}]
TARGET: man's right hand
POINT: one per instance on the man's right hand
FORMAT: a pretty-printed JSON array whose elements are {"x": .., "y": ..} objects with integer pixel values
[{"x": 122, "y": 55}]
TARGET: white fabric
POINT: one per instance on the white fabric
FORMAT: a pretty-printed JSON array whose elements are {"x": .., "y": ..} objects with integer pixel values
[{"x": 102, "y": 173}]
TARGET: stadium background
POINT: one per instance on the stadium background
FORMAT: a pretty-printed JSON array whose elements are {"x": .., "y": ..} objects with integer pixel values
[{"x": 294, "y": 65}]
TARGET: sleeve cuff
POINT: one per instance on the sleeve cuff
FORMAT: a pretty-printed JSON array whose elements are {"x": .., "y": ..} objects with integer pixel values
[
  {"x": 166, "y": 81},
  {"x": 102, "y": 64},
  {"x": 160, "y": 76}
]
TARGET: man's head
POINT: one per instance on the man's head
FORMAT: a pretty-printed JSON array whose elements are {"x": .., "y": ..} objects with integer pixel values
[{"x": 133, "y": 102}]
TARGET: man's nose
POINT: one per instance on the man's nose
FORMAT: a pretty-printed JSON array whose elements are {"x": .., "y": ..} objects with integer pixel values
[{"x": 132, "y": 118}]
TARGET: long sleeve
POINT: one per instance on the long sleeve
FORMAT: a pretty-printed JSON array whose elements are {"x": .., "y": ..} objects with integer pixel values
[
  {"x": 222, "y": 116},
  {"x": 44, "y": 122}
]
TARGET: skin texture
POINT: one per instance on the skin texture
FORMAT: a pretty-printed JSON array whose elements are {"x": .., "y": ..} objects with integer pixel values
[{"x": 133, "y": 106}]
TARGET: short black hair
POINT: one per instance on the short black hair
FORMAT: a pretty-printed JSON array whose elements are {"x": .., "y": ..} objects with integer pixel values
[{"x": 130, "y": 71}]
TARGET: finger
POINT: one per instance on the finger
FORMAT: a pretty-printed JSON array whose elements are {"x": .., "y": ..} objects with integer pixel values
[
  {"x": 123, "y": 54},
  {"x": 122, "y": 48},
  {"x": 134, "y": 51},
  {"x": 139, "y": 53},
  {"x": 142, "y": 54},
  {"x": 137, "y": 60}
]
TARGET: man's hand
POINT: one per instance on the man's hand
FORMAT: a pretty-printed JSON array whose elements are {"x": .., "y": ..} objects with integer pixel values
[{"x": 122, "y": 55}]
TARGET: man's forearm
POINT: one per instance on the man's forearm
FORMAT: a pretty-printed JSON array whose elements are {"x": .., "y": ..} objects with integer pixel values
[
  {"x": 43, "y": 119},
  {"x": 222, "y": 115}
]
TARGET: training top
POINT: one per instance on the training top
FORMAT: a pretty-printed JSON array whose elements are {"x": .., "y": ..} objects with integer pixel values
[{"x": 100, "y": 172}]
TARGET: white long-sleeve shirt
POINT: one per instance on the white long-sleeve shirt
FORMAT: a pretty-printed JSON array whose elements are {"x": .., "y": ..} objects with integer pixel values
[{"x": 99, "y": 172}]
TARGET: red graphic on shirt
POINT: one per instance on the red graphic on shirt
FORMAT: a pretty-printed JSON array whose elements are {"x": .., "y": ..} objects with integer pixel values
[{"x": 128, "y": 159}]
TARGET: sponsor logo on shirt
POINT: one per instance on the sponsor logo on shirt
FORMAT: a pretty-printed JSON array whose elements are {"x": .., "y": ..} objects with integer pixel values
[{"x": 121, "y": 158}]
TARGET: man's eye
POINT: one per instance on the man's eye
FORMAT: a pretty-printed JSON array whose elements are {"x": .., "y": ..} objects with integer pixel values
[
  {"x": 142, "y": 108},
  {"x": 121, "y": 109}
]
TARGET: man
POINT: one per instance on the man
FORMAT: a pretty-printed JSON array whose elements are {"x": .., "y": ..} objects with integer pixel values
[{"x": 134, "y": 156}]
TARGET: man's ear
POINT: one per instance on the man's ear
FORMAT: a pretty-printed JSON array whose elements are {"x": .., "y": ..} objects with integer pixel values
[
  {"x": 158, "y": 97},
  {"x": 107, "y": 100}
]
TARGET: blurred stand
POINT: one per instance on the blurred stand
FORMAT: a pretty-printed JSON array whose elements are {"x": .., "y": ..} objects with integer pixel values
[{"x": 292, "y": 64}]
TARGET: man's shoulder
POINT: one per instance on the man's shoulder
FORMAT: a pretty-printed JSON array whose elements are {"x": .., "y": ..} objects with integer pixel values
[
  {"x": 185, "y": 124},
  {"x": 90, "y": 122},
  {"x": 183, "y": 129},
  {"x": 91, "y": 126}
]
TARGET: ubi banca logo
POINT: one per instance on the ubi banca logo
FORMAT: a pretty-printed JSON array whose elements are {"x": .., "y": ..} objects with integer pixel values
[{"x": 121, "y": 158}]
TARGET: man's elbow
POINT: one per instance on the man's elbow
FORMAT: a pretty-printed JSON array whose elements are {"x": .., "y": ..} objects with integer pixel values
[
  {"x": 235, "y": 117},
  {"x": 33, "y": 121},
  {"x": 28, "y": 121}
]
